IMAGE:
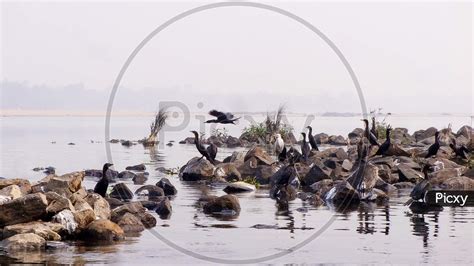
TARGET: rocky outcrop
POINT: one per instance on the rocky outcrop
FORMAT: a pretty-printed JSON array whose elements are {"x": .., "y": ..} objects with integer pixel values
[
  {"x": 24, "y": 209},
  {"x": 197, "y": 169}
]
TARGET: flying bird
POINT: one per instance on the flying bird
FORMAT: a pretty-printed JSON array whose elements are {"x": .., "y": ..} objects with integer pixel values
[{"x": 222, "y": 118}]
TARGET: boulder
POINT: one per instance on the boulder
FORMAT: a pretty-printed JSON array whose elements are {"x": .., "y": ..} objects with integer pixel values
[
  {"x": 356, "y": 133},
  {"x": 23, "y": 184},
  {"x": 67, "y": 220},
  {"x": 322, "y": 187},
  {"x": 84, "y": 217},
  {"x": 65, "y": 185},
  {"x": 57, "y": 203},
  {"x": 465, "y": 131},
  {"x": 237, "y": 156},
  {"x": 150, "y": 204},
  {"x": 130, "y": 223},
  {"x": 227, "y": 171},
  {"x": 424, "y": 134},
  {"x": 100, "y": 206},
  {"x": 102, "y": 230},
  {"x": 337, "y": 140},
  {"x": 233, "y": 142},
  {"x": 126, "y": 175},
  {"x": 139, "y": 179},
  {"x": 13, "y": 192},
  {"x": 114, "y": 203},
  {"x": 47, "y": 230},
  {"x": 260, "y": 154},
  {"x": 168, "y": 188},
  {"x": 321, "y": 138},
  {"x": 317, "y": 173},
  {"x": 222, "y": 205},
  {"x": 138, "y": 167},
  {"x": 458, "y": 183},
  {"x": 347, "y": 165},
  {"x": 24, "y": 242},
  {"x": 153, "y": 192},
  {"x": 342, "y": 192},
  {"x": 396, "y": 150},
  {"x": 137, "y": 209},
  {"x": 164, "y": 209},
  {"x": 121, "y": 192},
  {"x": 239, "y": 187},
  {"x": 197, "y": 169},
  {"x": 25, "y": 209},
  {"x": 406, "y": 173}
]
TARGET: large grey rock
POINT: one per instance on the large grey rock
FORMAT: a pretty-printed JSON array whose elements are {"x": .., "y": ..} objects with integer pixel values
[
  {"x": 23, "y": 184},
  {"x": 224, "y": 204},
  {"x": 197, "y": 169},
  {"x": 102, "y": 230},
  {"x": 122, "y": 192},
  {"x": 47, "y": 230},
  {"x": 164, "y": 209},
  {"x": 25, "y": 209},
  {"x": 24, "y": 242},
  {"x": 168, "y": 188}
]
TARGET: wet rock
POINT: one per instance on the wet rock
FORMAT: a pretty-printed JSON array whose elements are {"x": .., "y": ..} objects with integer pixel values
[
  {"x": 227, "y": 171},
  {"x": 57, "y": 203},
  {"x": 223, "y": 204},
  {"x": 23, "y": 184},
  {"x": 337, "y": 140},
  {"x": 67, "y": 220},
  {"x": 321, "y": 138},
  {"x": 150, "y": 204},
  {"x": 102, "y": 230},
  {"x": 138, "y": 167},
  {"x": 12, "y": 192},
  {"x": 50, "y": 170},
  {"x": 164, "y": 209},
  {"x": 168, "y": 188},
  {"x": 25, "y": 209},
  {"x": 260, "y": 154},
  {"x": 24, "y": 242},
  {"x": 153, "y": 192},
  {"x": 47, "y": 230},
  {"x": 197, "y": 169},
  {"x": 458, "y": 183},
  {"x": 239, "y": 187},
  {"x": 130, "y": 223},
  {"x": 342, "y": 192},
  {"x": 114, "y": 203},
  {"x": 139, "y": 179},
  {"x": 233, "y": 142},
  {"x": 114, "y": 141},
  {"x": 126, "y": 175},
  {"x": 322, "y": 187},
  {"x": 188, "y": 140},
  {"x": 37, "y": 169},
  {"x": 406, "y": 173},
  {"x": 111, "y": 174},
  {"x": 137, "y": 209},
  {"x": 317, "y": 173},
  {"x": 126, "y": 143},
  {"x": 121, "y": 192},
  {"x": 237, "y": 156},
  {"x": 100, "y": 206}
]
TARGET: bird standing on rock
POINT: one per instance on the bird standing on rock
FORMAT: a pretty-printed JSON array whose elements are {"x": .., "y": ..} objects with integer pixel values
[
  {"x": 386, "y": 145},
  {"x": 419, "y": 191},
  {"x": 311, "y": 139},
  {"x": 222, "y": 118},
  {"x": 203, "y": 151},
  {"x": 212, "y": 151},
  {"x": 370, "y": 137},
  {"x": 101, "y": 186},
  {"x": 279, "y": 144},
  {"x": 460, "y": 151},
  {"x": 373, "y": 130},
  {"x": 433, "y": 149},
  {"x": 305, "y": 148}
]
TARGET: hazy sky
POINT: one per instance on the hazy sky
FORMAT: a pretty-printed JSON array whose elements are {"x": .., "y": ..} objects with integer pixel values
[{"x": 409, "y": 57}]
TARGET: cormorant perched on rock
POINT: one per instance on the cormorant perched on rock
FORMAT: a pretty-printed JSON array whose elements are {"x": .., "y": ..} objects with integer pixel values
[
  {"x": 203, "y": 151},
  {"x": 101, "y": 186},
  {"x": 373, "y": 130},
  {"x": 419, "y": 191},
  {"x": 212, "y": 151},
  {"x": 460, "y": 151},
  {"x": 279, "y": 144},
  {"x": 386, "y": 145},
  {"x": 283, "y": 155},
  {"x": 305, "y": 148},
  {"x": 370, "y": 137},
  {"x": 433, "y": 149},
  {"x": 311, "y": 139},
  {"x": 285, "y": 177},
  {"x": 222, "y": 118},
  {"x": 356, "y": 179}
]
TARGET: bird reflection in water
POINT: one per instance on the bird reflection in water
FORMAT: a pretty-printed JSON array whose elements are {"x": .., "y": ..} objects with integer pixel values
[{"x": 283, "y": 213}]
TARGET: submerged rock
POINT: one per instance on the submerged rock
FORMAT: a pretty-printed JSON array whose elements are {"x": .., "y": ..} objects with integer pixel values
[
  {"x": 239, "y": 187},
  {"x": 164, "y": 209}
]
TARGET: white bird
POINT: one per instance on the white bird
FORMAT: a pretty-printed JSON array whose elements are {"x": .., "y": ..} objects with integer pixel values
[{"x": 279, "y": 144}]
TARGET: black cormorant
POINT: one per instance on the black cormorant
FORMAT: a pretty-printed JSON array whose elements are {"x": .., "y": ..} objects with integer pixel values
[
  {"x": 203, "y": 151},
  {"x": 386, "y": 145},
  {"x": 283, "y": 155},
  {"x": 285, "y": 177},
  {"x": 373, "y": 130},
  {"x": 433, "y": 149},
  {"x": 101, "y": 186},
  {"x": 212, "y": 151},
  {"x": 419, "y": 191},
  {"x": 305, "y": 148},
  {"x": 370, "y": 137},
  {"x": 311, "y": 139},
  {"x": 222, "y": 118},
  {"x": 460, "y": 151}
]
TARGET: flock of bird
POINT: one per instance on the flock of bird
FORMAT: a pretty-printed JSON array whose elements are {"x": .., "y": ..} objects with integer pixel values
[{"x": 288, "y": 157}]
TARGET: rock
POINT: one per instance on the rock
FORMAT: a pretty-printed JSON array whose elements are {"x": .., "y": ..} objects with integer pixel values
[
  {"x": 322, "y": 187},
  {"x": 406, "y": 173},
  {"x": 356, "y": 133},
  {"x": 262, "y": 173},
  {"x": 237, "y": 156},
  {"x": 126, "y": 143},
  {"x": 347, "y": 165},
  {"x": 25, "y": 209},
  {"x": 84, "y": 217},
  {"x": 238, "y": 187},
  {"x": 121, "y": 192},
  {"x": 424, "y": 134},
  {"x": 65, "y": 185},
  {"x": 337, "y": 140},
  {"x": 164, "y": 209},
  {"x": 24, "y": 242},
  {"x": 197, "y": 169},
  {"x": 37, "y": 169},
  {"x": 102, "y": 230},
  {"x": 150, "y": 204},
  {"x": 260, "y": 154},
  {"x": 321, "y": 138},
  {"x": 222, "y": 205},
  {"x": 384, "y": 186},
  {"x": 100, "y": 206},
  {"x": 396, "y": 150},
  {"x": 227, "y": 171},
  {"x": 57, "y": 203},
  {"x": 111, "y": 174},
  {"x": 188, "y": 140},
  {"x": 154, "y": 192},
  {"x": 168, "y": 188},
  {"x": 139, "y": 179},
  {"x": 465, "y": 131},
  {"x": 137, "y": 209},
  {"x": 130, "y": 223},
  {"x": 404, "y": 185},
  {"x": 233, "y": 142},
  {"x": 331, "y": 163},
  {"x": 23, "y": 184},
  {"x": 47, "y": 230},
  {"x": 342, "y": 192},
  {"x": 67, "y": 220},
  {"x": 13, "y": 192},
  {"x": 138, "y": 167},
  {"x": 458, "y": 183},
  {"x": 126, "y": 175},
  {"x": 317, "y": 173},
  {"x": 114, "y": 203}
]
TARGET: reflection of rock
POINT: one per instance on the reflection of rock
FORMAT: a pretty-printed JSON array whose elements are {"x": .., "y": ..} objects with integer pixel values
[
  {"x": 197, "y": 169},
  {"x": 24, "y": 209},
  {"x": 238, "y": 187}
]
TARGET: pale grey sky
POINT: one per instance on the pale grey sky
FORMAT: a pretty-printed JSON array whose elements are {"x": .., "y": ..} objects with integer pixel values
[{"x": 409, "y": 57}]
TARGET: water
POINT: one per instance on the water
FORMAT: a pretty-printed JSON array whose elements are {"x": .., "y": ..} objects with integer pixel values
[{"x": 369, "y": 234}]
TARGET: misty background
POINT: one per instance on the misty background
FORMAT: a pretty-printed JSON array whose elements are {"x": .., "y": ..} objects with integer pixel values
[{"x": 408, "y": 57}]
